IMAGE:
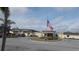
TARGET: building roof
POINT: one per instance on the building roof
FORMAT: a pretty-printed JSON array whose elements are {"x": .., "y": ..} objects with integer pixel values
[
  {"x": 49, "y": 31},
  {"x": 70, "y": 33},
  {"x": 26, "y": 30}
]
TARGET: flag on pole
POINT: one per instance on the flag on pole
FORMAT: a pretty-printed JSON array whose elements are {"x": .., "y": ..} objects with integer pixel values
[{"x": 49, "y": 26}]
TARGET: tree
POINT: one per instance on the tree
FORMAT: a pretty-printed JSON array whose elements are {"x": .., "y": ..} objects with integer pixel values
[
  {"x": 9, "y": 22},
  {"x": 6, "y": 13}
]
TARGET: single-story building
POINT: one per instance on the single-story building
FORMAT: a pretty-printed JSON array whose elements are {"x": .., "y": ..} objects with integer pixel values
[
  {"x": 34, "y": 33},
  {"x": 69, "y": 35},
  {"x": 23, "y": 32}
]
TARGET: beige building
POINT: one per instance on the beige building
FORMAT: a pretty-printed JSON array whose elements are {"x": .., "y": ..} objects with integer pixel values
[
  {"x": 34, "y": 33},
  {"x": 61, "y": 35},
  {"x": 39, "y": 34},
  {"x": 69, "y": 35},
  {"x": 25, "y": 32}
]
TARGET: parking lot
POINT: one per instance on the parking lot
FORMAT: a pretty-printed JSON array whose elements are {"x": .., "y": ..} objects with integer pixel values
[{"x": 26, "y": 44}]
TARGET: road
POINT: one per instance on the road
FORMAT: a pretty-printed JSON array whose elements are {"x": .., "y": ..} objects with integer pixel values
[{"x": 26, "y": 44}]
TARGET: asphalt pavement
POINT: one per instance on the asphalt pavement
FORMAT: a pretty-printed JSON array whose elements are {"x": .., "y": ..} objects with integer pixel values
[{"x": 26, "y": 44}]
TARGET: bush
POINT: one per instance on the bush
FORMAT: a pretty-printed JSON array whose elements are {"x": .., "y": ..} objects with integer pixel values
[
  {"x": 55, "y": 37},
  {"x": 33, "y": 36}
]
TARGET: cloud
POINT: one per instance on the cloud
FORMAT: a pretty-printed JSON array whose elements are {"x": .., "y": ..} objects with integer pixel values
[
  {"x": 59, "y": 23},
  {"x": 18, "y": 15},
  {"x": 68, "y": 25},
  {"x": 57, "y": 20},
  {"x": 1, "y": 14},
  {"x": 18, "y": 12},
  {"x": 64, "y": 8},
  {"x": 32, "y": 23},
  {"x": 74, "y": 26}
]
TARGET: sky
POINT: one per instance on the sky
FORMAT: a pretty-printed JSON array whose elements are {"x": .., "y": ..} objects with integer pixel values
[{"x": 61, "y": 18}]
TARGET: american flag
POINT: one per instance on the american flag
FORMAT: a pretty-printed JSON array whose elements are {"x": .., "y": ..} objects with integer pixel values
[{"x": 49, "y": 26}]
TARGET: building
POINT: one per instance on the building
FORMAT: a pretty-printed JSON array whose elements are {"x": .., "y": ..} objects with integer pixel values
[
  {"x": 33, "y": 33},
  {"x": 45, "y": 33},
  {"x": 23, "y": 32},
  {"x": 61, "y": 35},
  {"x": 69, "y": 35}
]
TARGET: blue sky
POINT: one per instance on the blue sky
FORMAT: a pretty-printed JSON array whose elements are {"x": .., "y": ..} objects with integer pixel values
[{"x": 61, "y": 18}]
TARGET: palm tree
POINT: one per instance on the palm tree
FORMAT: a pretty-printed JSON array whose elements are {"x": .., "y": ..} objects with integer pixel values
[
  {"x": 5, "y": 11},
  {"x": 9, "y": 22}
]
